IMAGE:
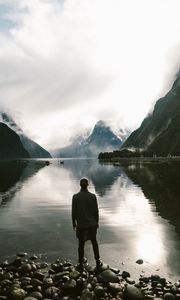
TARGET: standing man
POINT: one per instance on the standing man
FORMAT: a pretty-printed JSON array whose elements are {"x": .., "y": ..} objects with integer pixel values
[{"x": 85, "y": 219}]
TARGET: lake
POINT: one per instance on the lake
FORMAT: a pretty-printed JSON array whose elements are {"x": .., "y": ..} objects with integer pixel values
[{"x": 139, "y": 208}]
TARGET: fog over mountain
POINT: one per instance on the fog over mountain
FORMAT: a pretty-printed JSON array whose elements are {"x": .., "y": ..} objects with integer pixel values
[
  {"x": 101, "y": 138},
  {"x": 34, "y": 150},
  {"x": 160, "y": 130},
  {"x": 64, "y": 65}
]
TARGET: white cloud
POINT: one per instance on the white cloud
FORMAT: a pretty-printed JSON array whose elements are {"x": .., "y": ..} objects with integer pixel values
[{"x": 67, "y": 64}]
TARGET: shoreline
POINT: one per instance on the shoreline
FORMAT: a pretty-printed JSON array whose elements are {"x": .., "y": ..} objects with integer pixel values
[
  {"x": 30, "y": 278},
  {"x": 141, "y": 159}
]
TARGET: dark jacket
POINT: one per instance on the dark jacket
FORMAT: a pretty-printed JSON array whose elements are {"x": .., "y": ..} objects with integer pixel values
[{"x": 84, "y": 209}]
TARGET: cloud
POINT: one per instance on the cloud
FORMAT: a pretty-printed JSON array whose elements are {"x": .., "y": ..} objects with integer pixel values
[{"x": 66, "y": 64}]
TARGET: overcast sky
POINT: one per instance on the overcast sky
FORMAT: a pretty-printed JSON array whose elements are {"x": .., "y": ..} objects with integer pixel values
[{"x": 64, "y": 65}]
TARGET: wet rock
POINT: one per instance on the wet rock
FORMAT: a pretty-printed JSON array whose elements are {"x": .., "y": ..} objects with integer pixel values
[
  {"x": 116, "y": 271},
  {"x": 140, "y": 261},
  {"x": 50, "y": 291},
  {"x": 3, "y": 298},
  {"x": 108, "y": 276},
  {"x": 169, "y": 296},
  {"x": 30, "y": 298},
  {"x": 36, "y": 295},
  {"x": 25, "y": 268},
  {"x": 130, "y": 280},
  {"x": 125, "y": 274},
  {"x": 58, "y": 276},
  {"x": 74, "y": 274},
  {"x": 36, "y": 282},
  {"x": 69, "y": 286},
  {"x": 33, "y": 257},
  {"x": 17, "y": 294},
  {"x": 155, "y": 277},
  {"x": 115, "y": 288},
  {"x": 47, "y": 282},
  {"x": 132, "y": 293},
  {"x": 99, "y": 291},
  {"x": 39, "y": 275},
  {"x": 87, "y": 295},
  {"x": 144, "y": 279},
  {"x": 21, "y": 254}
]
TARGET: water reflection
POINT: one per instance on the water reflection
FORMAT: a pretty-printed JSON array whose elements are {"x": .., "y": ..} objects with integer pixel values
[
  {"x": 12, "y": 176},
  {"x": 160, "y": 185},
  {"x": 132, "y": 214},
  {"x": 102, "y": 177}
]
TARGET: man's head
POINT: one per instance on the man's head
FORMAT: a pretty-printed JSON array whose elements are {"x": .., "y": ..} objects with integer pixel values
[{"x": 84, "y": 182}]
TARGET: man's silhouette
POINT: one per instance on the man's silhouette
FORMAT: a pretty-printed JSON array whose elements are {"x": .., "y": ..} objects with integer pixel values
[{"x": 85, "y": 219}]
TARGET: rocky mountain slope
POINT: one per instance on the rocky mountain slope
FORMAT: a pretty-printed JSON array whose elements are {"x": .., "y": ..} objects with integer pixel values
[
  {"x": 10, "y": 144},
  {"x": 100, "y": 139},
  {"x": 160, "y": 131},
  {"x": 34, "y": 149}
]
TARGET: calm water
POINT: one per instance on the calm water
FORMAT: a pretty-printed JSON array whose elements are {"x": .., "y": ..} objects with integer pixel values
[{"x": 139, "y": 213}]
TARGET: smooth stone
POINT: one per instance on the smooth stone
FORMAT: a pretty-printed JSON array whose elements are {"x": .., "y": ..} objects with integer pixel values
[
  {"x": 33, "y": 257},
  {"x": 39, "y": 275},
  {"x": 140, "y": 261},
  {"x": 17, "y": 294},
  {"x": 125, "y": 274},
  {"x": 44, "y": 265},
  {"x": 36, "y": 295},
  {"x": 50, "y": 291},
  {"x": 58, "y": 276},
  {"x": 30, "y": 298},
  {"x": 130, "y": 280},
  {"x": 74, "y": 274},
  {"x": 108, "y": 276},
  {"x": 116, "y": 271},
  {"x": 21, "y": 254},
  {"x": 155, "y": 277},
  {"x": 36, "y": 282},
  {"x": 115, "y": 288},
  {"x": 17, "y": 262},
  {"x": 144, "y": 279},
  {"x": 28, "y": 288},
  {"x": 169, "y": 296},
  {"x": 3, "y": 298},
  {"x": 70, "y": 285},
  {"x": 99, "y": 291},
  {"x": 132, "y": 293},
  {"x": 47, "y": 282},
  {"x": 25, "y": 268},
  {"x": 87, "y": 295}
]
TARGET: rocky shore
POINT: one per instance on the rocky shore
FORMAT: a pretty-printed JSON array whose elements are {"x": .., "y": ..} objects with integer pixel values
[{"x": 28, "y": 278}]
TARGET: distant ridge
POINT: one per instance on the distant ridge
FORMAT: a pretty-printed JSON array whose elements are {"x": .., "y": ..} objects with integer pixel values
[
  {"x": 34, "y": 149},
  {"x": 10, "y": 144},
  {"x": 160, "y": 131},
  {"x": 100, "y": 139}
]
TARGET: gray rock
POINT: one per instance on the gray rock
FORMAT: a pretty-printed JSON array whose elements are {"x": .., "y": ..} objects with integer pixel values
[
  {"x": 132, "y": 293},
  {"x": 30, "y": 298},
  {"x": 125, "y": 274},
  {"x": 87, "y": 295},
  {"x": 140, "y": 261},
  {"x": 130, "y": 280},
  {"x": 17, "y": 294},
  {"x": 35, "y": 282},
  {"x": 50, "y": 291},
  {"x": 36, "y": 295},
  {"x": 47, "y": 282},
  {"x": 115, "y": 288},
  {"x": 108, "y": 276},
  {"x": 21, "y": 254},
  {"x": 169, "y": 296},
  {"x": 99, "y": 291},
  {"x": 70, "y": 285}
]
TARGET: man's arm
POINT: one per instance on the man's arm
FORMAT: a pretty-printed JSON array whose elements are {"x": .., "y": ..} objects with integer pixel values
[
  {"x": 96, "y": 211},
  {"x": 73, "y": 213}
]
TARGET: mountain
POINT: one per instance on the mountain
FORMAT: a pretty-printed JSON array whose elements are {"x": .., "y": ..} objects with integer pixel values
[
  {"x": 160, "y": 131},
  {"x": 10, "y": 144},
  {"x": 100, "y": 139},
  {"x": 34, "y": 149}
]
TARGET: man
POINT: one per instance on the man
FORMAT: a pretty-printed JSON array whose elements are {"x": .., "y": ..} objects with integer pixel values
[{"x": 85, "y": 219}]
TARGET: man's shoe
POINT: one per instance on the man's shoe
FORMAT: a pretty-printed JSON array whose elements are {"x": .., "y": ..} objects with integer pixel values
[
  {"x": 80, "y": 267},
  {"x": 99, "y": 263}
]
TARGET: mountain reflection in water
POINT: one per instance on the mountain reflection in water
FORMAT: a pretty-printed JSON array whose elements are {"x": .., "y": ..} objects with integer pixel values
[{"x": 138, "y": 204}]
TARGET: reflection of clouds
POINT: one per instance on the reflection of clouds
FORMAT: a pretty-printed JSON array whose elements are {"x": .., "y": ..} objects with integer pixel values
[{"x": 126, "y": 210}]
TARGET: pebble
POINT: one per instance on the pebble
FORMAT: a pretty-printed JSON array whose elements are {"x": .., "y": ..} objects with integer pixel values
[{"x": 27, "y": 279}]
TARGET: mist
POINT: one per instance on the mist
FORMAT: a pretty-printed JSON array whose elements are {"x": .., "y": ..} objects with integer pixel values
[{"x": 64, "y": 65}]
